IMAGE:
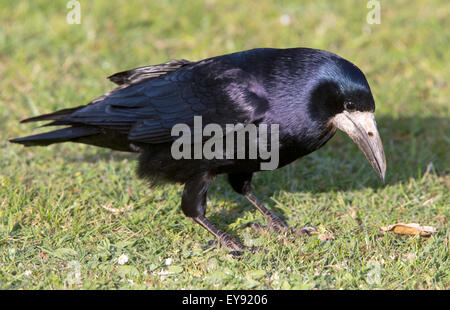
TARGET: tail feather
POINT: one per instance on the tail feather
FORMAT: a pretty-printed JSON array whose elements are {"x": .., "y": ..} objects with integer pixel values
[
  {"x": 57, "y": 136},
  {"x": 52, "y": 116}
]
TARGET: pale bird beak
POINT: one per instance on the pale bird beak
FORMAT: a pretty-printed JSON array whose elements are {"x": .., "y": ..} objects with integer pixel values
[{"x": 362, "y": 129}]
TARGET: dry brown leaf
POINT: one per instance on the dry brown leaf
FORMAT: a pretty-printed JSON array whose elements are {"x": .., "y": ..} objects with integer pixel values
[
  {"x": 409, "y": 229},
  {"x": 116, "y": 211}
]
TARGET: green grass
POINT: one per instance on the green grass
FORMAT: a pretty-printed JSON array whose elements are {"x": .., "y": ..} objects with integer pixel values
[{"x": 57, "y": 229}]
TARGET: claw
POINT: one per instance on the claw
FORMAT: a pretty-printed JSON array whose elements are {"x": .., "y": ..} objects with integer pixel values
[{"x": 308, "y": 230}]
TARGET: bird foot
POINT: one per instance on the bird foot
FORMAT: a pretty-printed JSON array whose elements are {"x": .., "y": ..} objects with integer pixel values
[
  {"x": 228, "y": 242},
  {"x": 306, "y": 230}
]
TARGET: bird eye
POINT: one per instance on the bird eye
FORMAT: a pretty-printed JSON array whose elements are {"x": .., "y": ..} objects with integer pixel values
[{"x": 350, "y": 106}]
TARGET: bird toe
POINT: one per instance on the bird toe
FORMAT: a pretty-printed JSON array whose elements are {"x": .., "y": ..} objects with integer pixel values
[{"x": 306, "y": 230}]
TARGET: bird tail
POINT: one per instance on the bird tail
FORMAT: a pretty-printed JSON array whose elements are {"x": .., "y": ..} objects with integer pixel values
[
  {"x": 56, "y": 136},
  {"x": 52, "y": 116}
]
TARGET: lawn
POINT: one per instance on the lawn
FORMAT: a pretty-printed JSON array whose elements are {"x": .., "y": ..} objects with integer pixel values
[{"x": 68, "y": 211}]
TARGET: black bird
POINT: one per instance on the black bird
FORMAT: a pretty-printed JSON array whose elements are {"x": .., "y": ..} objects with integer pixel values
[{"x": 309, "y": 93}]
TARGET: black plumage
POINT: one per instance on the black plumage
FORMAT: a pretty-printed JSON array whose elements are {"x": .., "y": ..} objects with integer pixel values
[{"x": 310, "y": 93}]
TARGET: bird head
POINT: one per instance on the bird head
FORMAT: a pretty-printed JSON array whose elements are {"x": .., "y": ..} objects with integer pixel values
[{"x": 343, "y": 98}]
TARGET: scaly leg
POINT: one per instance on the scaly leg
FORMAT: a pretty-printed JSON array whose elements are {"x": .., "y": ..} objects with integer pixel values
[
  {"x": 193, "y": 204},
  {"x": 241, "y": 183}
]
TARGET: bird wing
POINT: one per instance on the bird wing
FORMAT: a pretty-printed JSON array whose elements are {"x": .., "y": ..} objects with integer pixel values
[
  {"x": 147, "y": 110},
  {"x": 140, "y": 74}
]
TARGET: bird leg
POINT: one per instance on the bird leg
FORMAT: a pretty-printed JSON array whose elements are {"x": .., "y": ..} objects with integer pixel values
[
  {"x": 224, "y": 239},
  {"x": 273, "y": 222},
  {"x": 241, "y": 183},
  {"x": 193, "y": 204}
]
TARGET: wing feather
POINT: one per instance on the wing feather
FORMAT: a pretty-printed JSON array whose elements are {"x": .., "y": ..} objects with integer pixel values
[{"x": 147, "y": 108}]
